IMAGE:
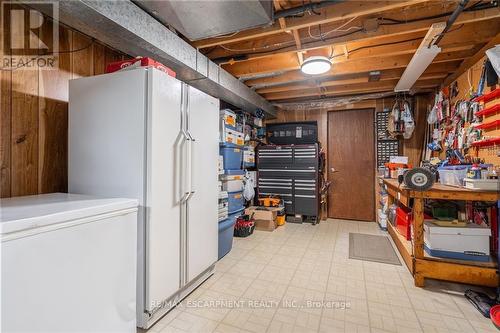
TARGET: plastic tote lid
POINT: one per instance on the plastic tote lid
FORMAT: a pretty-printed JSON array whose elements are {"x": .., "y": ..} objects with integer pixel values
[
  {"x": 454, "y": 167},
  {"x": 29, "y": 212},
  {"x": 234, "y": 172}
]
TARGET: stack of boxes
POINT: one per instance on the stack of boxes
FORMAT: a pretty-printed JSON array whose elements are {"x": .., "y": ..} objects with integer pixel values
[{"x": 231, "y": 201}]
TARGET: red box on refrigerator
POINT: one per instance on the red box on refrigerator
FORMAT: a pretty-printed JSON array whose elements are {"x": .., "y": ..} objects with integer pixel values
[{"x": 138, "y": 62}]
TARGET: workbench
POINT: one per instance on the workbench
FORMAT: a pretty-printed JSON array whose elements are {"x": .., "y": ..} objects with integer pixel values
[{"x": 422, "y": 265}]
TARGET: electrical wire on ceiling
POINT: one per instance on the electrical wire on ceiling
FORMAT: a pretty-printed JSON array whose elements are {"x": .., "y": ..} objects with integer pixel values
[
  {"x": 313, "y": 39},
  {"x": 339, "y": 28},
  {"x": 443, "y": 33},
  {"x": 474, "y": 7}
]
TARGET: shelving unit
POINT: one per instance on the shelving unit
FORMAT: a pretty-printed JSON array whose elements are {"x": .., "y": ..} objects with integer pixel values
[{"x": 420, "y": 264}]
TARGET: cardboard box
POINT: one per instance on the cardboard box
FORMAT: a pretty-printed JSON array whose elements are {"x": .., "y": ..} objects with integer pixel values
[{"x": 265, "y": 217}]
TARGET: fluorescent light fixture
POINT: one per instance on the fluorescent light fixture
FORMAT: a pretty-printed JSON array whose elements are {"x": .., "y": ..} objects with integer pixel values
[
  {"x": 316, "y": 65},
  {"x": 422, "y": 58},
  {"x": 418, "y": 64}
]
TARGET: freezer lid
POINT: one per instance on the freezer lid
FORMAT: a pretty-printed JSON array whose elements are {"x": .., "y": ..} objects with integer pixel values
[
  {"x": 29, "y": 212},
  {"x": 469, "y": 230}
]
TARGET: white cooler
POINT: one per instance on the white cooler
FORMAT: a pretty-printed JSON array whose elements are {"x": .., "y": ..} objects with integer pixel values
[
  {"x": 464, "y": 243},
  {"x": 68, "y": 264}
]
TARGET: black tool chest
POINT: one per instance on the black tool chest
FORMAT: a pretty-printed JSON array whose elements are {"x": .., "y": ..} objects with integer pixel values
[{"x": 290, "y": 172}]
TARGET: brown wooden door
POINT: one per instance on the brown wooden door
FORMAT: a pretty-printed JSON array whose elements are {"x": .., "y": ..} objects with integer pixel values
[{"x": 351, "y": 152}]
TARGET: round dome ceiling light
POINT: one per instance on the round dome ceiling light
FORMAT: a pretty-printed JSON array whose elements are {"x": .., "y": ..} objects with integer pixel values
[{"x": 316, "y": 65}]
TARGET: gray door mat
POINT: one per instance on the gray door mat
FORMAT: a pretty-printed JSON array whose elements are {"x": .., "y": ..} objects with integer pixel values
[{"x": 372, "y": 248}]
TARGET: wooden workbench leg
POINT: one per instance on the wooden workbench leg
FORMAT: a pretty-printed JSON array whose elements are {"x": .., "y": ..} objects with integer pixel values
[
  {"x": 418, "y": 238},
  {"x": 418, "y": 228},
  {"x": 418, "y": 280}
]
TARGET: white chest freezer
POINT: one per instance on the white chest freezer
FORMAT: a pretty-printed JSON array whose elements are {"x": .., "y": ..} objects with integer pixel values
[{"x": 68, "y": 264}]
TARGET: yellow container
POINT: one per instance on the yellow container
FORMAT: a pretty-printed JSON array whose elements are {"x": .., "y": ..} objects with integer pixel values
[{"x": 280, "y": 219}]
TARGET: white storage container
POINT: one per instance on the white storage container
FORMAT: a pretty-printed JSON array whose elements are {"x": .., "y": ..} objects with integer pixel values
[
  {"x": 467, "y": 243},
  {"x": 382, "y": 219},
  {"x": 452, "y": 175},
  {"x": 232, "y": 136},
  {"x": 229, "y": 117},
  {"x": 233, "y": 182},
  {"x": 483, "y": 184},
  {"x": 239, "y": 138}
]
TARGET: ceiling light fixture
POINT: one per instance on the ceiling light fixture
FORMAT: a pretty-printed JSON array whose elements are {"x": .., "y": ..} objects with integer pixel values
[{"x": 316, "y": 65}]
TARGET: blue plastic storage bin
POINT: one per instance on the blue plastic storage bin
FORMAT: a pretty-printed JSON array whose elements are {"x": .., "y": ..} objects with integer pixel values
[
  {"x": 233, "y": 157},
  {"x": 226, "y": 231},
  {"x": 235, "y": 201}
]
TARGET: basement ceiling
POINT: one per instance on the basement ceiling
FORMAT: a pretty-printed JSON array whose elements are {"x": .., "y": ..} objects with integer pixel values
[{"x": 361, "y": 37}]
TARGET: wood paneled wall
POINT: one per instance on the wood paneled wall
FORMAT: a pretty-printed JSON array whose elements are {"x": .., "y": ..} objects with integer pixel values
[
  {"x": 411, "y": 148},
  {"x": 34, "y": 116}
]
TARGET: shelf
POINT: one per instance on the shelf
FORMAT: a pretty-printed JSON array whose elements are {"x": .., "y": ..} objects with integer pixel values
[
  {"x": 490, "y": 264},
  {"x": 488, "y": 97},
  {"x": 487, "y": 142},
  {"x": 404, "y": 246},
  {"x": 491, "y": 124},
  {"x": 493, "y": 109}
]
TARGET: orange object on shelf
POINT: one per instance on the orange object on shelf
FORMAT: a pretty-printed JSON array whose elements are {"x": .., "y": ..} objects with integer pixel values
[
  {"x": 269, "y": 202},
  {"x": 394, "y": 166}
]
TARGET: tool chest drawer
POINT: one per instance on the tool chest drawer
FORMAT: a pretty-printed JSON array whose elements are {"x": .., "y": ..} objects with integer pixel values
[
  {"x": 305, "y": 155},
  {"x": 275, "y": 156},
  {"x": 305, "y": 186},
  {"x": 306, "y": 204},
  {"x": 276, "y": 185}
]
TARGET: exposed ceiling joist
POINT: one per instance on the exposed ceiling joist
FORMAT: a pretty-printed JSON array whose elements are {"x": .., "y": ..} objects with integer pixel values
[
  {"x": 349, "y": 89},
  {"x": 472, "y": 60},
  {"x": 338, "y": 12},
  {"x": 342, "y": 81},
  {"x": 347, "y": 68},
  {"x": 288, "y": 61},
  {"x": 384, "y": 31},
  {"x": 352, "y": 65}
]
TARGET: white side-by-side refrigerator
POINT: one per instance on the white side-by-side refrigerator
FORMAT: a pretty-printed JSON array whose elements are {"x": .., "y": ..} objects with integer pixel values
[{"x": 143, "y": 134}]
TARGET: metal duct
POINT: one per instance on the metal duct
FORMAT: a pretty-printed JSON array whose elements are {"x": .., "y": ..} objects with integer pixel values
[
  {"x": 123, "y": 25},
  {"x": 203, "y": 19},
  {"x": 310, "y": 7}
]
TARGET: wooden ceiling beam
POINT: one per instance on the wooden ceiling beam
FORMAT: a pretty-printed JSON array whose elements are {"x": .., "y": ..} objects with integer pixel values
[
  {"x": 467, "y": 63},
  {"x": 386, "y": 31},
  {"x": 288, "y": 61},
  {"x": 340, "y": 82},
  {"x": 335, "y": 13},
  {"x": 349, "y": 89},
  {"x": 383, "y": 64}
]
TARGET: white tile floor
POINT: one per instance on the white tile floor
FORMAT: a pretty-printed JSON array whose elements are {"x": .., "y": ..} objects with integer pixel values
[{"x": 299, "y": 279}]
